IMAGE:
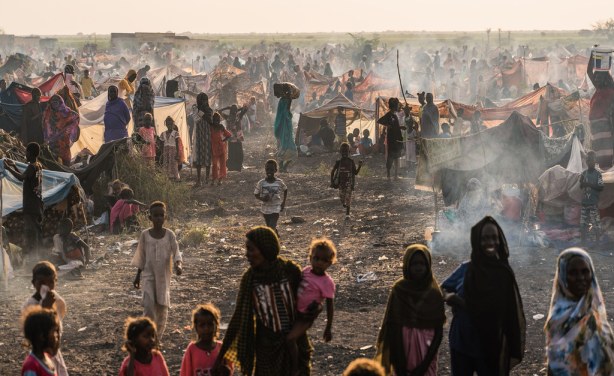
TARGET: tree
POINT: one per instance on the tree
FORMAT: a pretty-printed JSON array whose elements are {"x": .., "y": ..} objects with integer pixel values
[{"x": 605, "y": 28}]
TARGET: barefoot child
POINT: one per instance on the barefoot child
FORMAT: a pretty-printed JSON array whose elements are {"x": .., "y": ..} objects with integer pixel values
[
  {"x": 342, "y": 177},
  {"x": 591, "y": 182},
  {"x": 154, "y": 257},
  {"x": 199, "y": 358},
  {"x": 41, "y": 328},
  {"x": 269, "y": 191},
  {"x": 412, "y": 328},
  {"x": 170, "y": 156},
  {"x": 44, "y": 278},
  {"x": 316, "y": 285},
  {"x": 219, "y": 149},
  {"x": 141, "y": 344},
  {"x": 147, "y": 131}
]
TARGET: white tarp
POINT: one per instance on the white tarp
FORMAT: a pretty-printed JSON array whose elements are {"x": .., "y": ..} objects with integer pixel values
[{"x": 92, "y": 122}]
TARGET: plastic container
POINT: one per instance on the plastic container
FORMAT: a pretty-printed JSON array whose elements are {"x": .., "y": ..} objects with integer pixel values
[{"x": 603, "y": 58}]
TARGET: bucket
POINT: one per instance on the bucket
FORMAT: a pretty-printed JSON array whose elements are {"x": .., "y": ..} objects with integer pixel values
[{"x": 603, "y": 58}]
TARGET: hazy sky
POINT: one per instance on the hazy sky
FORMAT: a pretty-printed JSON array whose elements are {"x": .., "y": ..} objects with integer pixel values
[{"x": 25, "y": 17}]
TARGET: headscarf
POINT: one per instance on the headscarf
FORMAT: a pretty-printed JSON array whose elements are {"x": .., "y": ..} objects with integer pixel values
[
  {"x": 493, "y": 302},
  {"x": 202, "y": 103},
  {"x": 239, "y": 344},
  {"x": 266, "y": 241},
  {"x": 144, "y": 99},
  {"x": 414, "y": 304},
  {"x": 60, "y": 123},
  {"x": 578, "y": 336}
]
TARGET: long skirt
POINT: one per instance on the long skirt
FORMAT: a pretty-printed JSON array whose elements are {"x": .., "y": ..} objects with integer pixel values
[
  {"x": 602, "y": 142},
  {"x": 170, "y": 163},
  {"x": 235, "y": 156}
]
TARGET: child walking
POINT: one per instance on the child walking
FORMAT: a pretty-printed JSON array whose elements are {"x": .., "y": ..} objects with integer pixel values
[
  {"x": 147, "y": 131},
  {"x": 219, "y": 149},
  {"x": 199, "y": 358},
  {"x": 155, "y": 254},
  {"x": 41, "y": 328},
  {"x": 315, "y": 286},
  {"x": 412, "y": 328},
  {"x": 141, "y": 344},
  {"x": 269, "y": 191},
  {"x": 343, "y": 177},
  {"x": 170, "y": 156},
  {"x": 32, "y": 179},
  {"x": 591, "y": 183},
  {"x": 44, "y": 277}
]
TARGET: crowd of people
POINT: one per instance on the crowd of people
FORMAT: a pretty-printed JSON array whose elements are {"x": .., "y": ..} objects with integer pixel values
[{"x": 278, "y": 300}]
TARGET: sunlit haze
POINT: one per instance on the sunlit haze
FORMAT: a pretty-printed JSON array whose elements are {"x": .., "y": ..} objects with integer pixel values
[{"x": 271, "y": 16}]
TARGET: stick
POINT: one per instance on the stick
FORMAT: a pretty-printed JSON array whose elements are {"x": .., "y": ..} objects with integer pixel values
[
  {"x": 5, "y": 267},
  {"x": 400, "y": 82}
]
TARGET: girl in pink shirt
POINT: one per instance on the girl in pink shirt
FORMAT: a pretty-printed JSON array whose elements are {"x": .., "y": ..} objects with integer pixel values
[
  {"x": 144, "y": 359},
  {"x": 147, "y": 131},
  {"x": 200, "y": 356},
  {"x": 315, "y": 286}
]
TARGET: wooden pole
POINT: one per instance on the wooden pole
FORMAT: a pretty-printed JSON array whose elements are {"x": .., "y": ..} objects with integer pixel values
[{"x": 5, "y": 267}]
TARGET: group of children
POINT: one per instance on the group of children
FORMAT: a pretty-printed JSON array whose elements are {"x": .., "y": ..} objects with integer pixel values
[{"x": 486, "y": 335}]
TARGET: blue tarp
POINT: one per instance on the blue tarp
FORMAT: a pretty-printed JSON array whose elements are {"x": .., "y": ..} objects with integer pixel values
[{"x": 56, "y": 186}]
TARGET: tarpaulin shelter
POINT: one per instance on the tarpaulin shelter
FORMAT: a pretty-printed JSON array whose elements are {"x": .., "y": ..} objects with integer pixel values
[
  {"x": 309, "y": 122},
  {"x": 56, "y": 186},
  {"x": 515, "y": 152},
  {"x": 48, "y": 88},
  {"x": 92, "y": 122},
  {"x": 374, "y": 86},
  {"x": 526, "y": 105}
]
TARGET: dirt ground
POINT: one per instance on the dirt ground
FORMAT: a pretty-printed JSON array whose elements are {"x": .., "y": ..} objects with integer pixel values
[{"x": 386, "y": 217}]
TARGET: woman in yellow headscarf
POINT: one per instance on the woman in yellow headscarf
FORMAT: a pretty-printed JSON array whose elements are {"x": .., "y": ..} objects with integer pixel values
[{"x": 126, "y": 87}]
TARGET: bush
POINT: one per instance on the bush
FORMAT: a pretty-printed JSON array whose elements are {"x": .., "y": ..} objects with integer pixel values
[
  {"x": 194, "y": 236},
  {"x": 148, "y": 182}
]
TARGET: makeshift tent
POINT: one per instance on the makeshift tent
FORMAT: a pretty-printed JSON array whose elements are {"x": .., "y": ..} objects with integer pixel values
[
  {"x": 309, "y": 122},
  {"x": 56, "y": 187},
  {"x": 92, "y": 122},
  {"x": 374, "y": 86},
  {"x": 514, "y": 152},
  {"x": 560, "y": 186},
  {"x": 526, "y": 105}
]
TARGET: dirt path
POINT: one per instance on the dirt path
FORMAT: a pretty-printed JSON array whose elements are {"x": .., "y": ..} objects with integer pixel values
[{"x": 386, "y": 216}]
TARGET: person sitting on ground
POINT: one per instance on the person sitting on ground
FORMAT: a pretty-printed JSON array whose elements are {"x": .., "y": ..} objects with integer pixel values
[
  {"x": 123, "y": 213},
  {"x": 327, "y": 135},
  {"x": 366, "y": 144},
  {"x": 445, "y": 131},
  {"x": 70, "y": 246}
]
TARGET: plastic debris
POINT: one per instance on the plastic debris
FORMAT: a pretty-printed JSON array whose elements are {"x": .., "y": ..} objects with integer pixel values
[
  {"x": 382, "y": 258},
  {"x": 539, "y": 316},
  {"x": 368, "y": 276},
  {"x": 366, "y": 347}
]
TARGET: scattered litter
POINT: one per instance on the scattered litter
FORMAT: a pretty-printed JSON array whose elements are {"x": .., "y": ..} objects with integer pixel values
[
  {"x": 224, "y": 326},
  {"x": 366, "y": 347},
  {"x": 82, "y": 329},
  {"x": 381, "y": 196},
  {"x": 130, "y": 243},
  {"x": 71, "y": 265},
  {"x": 369, "y": 276},
  {"x": 374, "y": 217},
  {"x": 330, "y": 357},
  {"x": 382, "y": 258},
  {"x": 539, "y": 316},
  {"x": 358, "y": 262},
  {"x": 442, "y": 262}
]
